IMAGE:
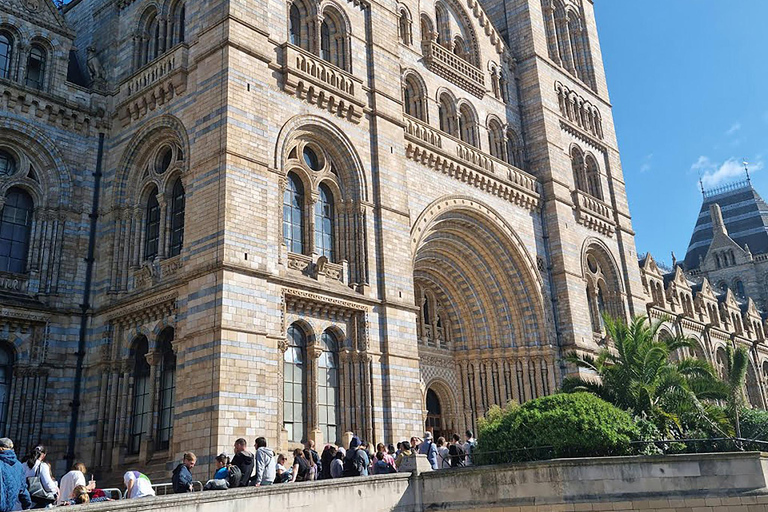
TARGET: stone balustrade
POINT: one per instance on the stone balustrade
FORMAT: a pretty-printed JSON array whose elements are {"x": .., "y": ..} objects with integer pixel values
[
  {"x": 593, "y": 213},
  {"x": 469, "y": 164},
  {"x": 154, "y": 84},
  {"x": 321, "y": 83},
  {"x": 453, "y": 68}
]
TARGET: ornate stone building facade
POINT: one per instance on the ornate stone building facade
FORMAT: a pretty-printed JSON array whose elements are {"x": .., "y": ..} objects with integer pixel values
[{"x": 298, "y": 218}]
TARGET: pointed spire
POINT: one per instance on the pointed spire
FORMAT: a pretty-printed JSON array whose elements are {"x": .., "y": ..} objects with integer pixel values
[
  {"x": 718, "y": 226},
  {"x": 746, "y": 170}
]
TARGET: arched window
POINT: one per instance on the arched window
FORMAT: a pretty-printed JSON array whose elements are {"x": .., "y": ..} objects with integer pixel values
[
  {"x": 579, "y": 171},
  {"x": 446, "y": 111},
  {"x": 294, "y": 383},
  {"x": 152, "y": 226},
  {"x": 177, "y": 218},
  {"x": 6, "y": 55},
  {"x": 293, "y": 214},
  {"x": 177, "y": 27},
  {"x": 151, "y": 40},
  {"x": 426, "y": 28},
  {"x": 467, "y": 125},
  {"x": 333, "y": 40},
  {"x": 6, "y": 375},
  {"x": 443, "y": 25},
  {"x": 167, "y": 389},
  {"x": 404, "y": 27},
  {"x": 603, "y": 288},
  {"x": 459, "y": 48},
  {"x": 328, "y": 388},
  {"x": 593, "y": 178},
  {"x": 36, "y": 67},
  {"x": 324, "y": 223},
  {"x": 141, "y": 400},
  {"x": 514, "y": 149},
  {"x": 496, "y": 140},
  {"x": 740, "y": 289},
  {"x": 413, "y": 99},
  {"x": 15, "y": 230},
  {"x": 298, "y": 28}
]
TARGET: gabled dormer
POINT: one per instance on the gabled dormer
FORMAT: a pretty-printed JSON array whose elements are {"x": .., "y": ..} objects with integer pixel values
[
  {"x": 723, "y": 251},
  {"x": 706, "y": 304},
  {"x": 752, "y": 320},
  {"x": 653, "y": 281},
  {"x": 679, "y": 293},
  {"x": 730, "y": 312}
]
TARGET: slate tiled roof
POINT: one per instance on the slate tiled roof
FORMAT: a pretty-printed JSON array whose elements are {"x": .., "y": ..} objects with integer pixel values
[{"x": 745, "y": 215}]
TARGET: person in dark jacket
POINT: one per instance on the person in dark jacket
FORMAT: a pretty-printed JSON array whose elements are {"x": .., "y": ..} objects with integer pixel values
[
  {"x": 329, "y": 453},
  {"x": 244, "y": 460},
  {"x": 356, "y": 460},
  {"x": 182, "y": 475},
  {"x": 13, "y": 485}
]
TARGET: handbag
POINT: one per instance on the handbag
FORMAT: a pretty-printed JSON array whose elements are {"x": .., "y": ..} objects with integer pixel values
[{"x": 36, "y": 490}]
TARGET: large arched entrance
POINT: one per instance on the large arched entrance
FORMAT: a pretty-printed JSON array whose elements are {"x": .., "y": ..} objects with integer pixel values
[
  {"x": 481, "y": 308},
  {"x": 434, "y": 421}
]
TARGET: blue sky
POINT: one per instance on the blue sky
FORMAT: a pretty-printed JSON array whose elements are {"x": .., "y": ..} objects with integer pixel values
[{"x": 687, "y": 80}]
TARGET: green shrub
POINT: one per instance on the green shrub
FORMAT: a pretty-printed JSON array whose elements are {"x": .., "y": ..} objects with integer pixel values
[
  {"x": 754, "y": 424},
  {"x": 562, "y": 425}
]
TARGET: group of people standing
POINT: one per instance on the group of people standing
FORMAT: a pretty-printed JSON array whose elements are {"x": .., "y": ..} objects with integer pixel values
[{"x": 265, "y": 467}]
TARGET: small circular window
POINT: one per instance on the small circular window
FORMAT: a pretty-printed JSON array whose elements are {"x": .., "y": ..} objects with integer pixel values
[
  {"x": 7, "y": 163},
  {"x": 310, "y": 158},
  {"x": 163, "y": 159},
  {"x": 592, "y": 264}
]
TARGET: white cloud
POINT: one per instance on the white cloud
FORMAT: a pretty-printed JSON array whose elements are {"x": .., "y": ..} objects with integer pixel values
[
  {"x": 714, "y": 174},
  {"x": 646, "y": 165},
  {"x": 733, "y": 129}
]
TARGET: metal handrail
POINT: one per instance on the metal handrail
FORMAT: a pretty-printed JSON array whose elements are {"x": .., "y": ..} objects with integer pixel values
[
  {"x": 113, "y": 491},
  {"x": 197, "y": 486}
]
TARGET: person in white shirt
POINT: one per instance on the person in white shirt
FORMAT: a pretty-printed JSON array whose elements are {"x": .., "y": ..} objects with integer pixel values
[
  {"x": 137, "y": 485},
  {"x": 35, "y": 465},
  {"x": 71, "y": 480}
]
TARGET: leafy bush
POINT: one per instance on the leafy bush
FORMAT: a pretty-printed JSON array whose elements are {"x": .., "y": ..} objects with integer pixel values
[
  {"x": 562, "y": 425},
  {"x": 754, "y": 424}
]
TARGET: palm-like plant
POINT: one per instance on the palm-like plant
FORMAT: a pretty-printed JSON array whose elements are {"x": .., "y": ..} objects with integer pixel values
[
  {"x": 734, "y": 378},
  {"x": 637, "y": 374}
]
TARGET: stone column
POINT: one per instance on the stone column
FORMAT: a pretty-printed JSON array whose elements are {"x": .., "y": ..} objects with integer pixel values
[
  {"x": 313, "y": 407},
  {"x": 147, "y": 443},
  {"x": 161, "y": 239}
]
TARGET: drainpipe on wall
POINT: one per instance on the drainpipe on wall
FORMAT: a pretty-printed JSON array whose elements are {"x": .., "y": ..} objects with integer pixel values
[{"x": 85, "y": 306}]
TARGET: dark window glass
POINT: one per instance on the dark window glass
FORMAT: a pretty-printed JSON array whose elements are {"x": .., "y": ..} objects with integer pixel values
[
  {"x": 293, "y": 215},
  {"x": 152, "y": 227},
  {"x": 6, "y": 374},
  {"x": 36, "y": 67},
  {"x": 141, "y": 400},
  {"x": 295, "y": 25},
  {"x": 182, "y": 23},
  {"x": 6, "y": 54},
  {"x": 7, "y": 163},
  {"x": 15, "y": 229},
  {"x": 310, "y": 158},
  {"x": 177, "y": 219},
  {"x": 324, "y": 221},
  {"x": 294, "y": 384},
  {"x": 163, "y": 159},
  {"x": 167, "y": 389},
  {"x": 328, "y": 389},
  {"x": 325, "y": 41}
]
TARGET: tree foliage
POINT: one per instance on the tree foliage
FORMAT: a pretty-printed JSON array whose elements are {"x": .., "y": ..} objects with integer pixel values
[
  {"x": 561, "y": 425},
  {"x": 638, "y": 375}
]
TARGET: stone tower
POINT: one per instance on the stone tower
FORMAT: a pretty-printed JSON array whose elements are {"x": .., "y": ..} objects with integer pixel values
[{"x": 306, "y": 218}]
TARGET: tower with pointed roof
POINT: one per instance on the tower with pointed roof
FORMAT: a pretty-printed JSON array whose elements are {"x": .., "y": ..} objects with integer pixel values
[{"x": 729, "y": 244}]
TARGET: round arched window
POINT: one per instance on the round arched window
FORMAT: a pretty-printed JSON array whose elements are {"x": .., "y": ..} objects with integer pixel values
[
  {"x": 163, "y": 159},
  {"x": 310, "y": 158},
  {"x": 7, "y": 163}
]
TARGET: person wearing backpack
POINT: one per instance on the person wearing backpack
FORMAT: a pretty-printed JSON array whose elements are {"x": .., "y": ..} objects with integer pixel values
[
  {"x": 244, "y": 460},
  {"x": 356, "y": 460},
  {"x": 469, "y": 447},
  {"x": 429, "y": 449},
  {"x": 456, "y": 452},
  {"x": 182, "y": 475},
  {"x": 42, "y": 487},
  {"x": 381, "y": 466}
]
